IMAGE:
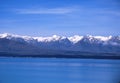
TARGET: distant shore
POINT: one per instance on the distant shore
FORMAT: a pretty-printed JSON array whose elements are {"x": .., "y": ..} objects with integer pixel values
[{"x": 63, "y": 56}]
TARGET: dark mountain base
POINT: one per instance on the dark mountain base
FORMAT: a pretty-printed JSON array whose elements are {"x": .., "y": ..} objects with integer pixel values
[{"x": 80, "y": 56}]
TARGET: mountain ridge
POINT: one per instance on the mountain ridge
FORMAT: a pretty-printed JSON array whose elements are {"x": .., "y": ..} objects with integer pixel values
[
  {"x": 25, "y": 45},
  {"x": 72, "y": 39}
]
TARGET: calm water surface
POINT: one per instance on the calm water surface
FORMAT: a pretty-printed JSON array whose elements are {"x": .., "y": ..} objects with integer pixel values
[{"x": 45, "y": 70}]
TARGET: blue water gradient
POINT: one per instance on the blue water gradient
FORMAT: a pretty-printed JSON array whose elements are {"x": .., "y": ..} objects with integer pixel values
[{"x": 52, "y": 70}]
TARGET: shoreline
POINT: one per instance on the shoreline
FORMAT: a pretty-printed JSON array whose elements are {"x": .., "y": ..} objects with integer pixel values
[{"x": 65, "y": 56}]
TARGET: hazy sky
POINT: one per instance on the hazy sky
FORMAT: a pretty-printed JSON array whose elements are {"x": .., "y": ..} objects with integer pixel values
[{"x": 60, "y": 17}]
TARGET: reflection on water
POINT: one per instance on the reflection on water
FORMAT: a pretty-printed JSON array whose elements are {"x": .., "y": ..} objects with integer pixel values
[{"x": 45, "y": 70}]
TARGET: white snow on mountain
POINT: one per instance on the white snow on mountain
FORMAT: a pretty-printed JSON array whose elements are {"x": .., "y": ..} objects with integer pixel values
[
  {"x": 102, "y": 38},
  {"x": 49, "y": 39},
  {"x": 13, "y": 36},
  {"x": 75, "y": 39}
]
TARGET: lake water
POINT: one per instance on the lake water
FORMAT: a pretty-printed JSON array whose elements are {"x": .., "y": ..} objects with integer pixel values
[{"x": 52, "y": 70}]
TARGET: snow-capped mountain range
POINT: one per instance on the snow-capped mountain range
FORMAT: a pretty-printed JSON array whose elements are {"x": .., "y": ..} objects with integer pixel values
[
  {"x": 113, "y": 40},
  {"x": 41, "y": 45}
]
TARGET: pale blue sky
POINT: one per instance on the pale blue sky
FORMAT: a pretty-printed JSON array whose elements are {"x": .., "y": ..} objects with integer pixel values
[{"x": 60, "y": 17}]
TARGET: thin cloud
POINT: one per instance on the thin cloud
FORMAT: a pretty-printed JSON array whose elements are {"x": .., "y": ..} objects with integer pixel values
[
  {"x": 116, "y": 13},
  {"x": 45, "y": 11},
  {"x": 105, "y": 12}
]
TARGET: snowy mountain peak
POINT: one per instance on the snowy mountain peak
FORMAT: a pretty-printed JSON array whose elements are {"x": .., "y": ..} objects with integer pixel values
[
  {"x": 103, "y": 38},
  {"x": 4, "y": 35},
  {"x": 9, "y": 36},
  {"x": 49, "y": 39},
  {"x": 75, "y": 38}
]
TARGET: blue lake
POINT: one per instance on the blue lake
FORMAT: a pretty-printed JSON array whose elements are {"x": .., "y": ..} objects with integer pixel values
[{"x": 52, "y": 70}]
